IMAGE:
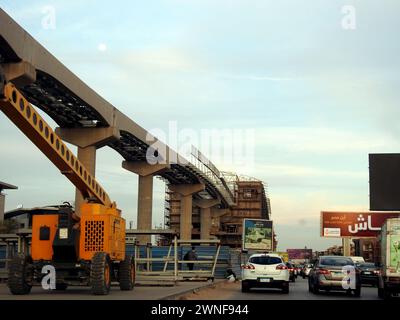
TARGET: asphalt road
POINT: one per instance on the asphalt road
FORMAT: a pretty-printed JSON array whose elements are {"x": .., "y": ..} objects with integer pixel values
[
  {"x": 83, "y": 293},
  {"x": 222, "y": 291},
  {"x": 298, "y": 291}
]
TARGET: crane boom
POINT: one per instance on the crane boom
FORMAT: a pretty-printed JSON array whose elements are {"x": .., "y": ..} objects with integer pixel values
[{"x": 27, "y": 119}]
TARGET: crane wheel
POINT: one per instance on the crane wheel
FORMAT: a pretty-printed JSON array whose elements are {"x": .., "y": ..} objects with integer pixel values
[
  {"x": 127, "y": 274},
  {"x": 20, "y": 275},
  {"x": 100, "y": 273}
]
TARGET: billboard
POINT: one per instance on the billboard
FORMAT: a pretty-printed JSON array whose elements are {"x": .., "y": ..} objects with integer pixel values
[
  {"x": 299, "y": 254},
  {"x": 384, "y": 182},
  {"x": 284, "y": 256},
  {"x": 257, "y": 234},
  {"x": 354, "y": 224},
  {"x": 394, "y": 243}
]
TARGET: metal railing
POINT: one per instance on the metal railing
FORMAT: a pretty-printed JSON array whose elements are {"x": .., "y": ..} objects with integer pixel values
[
  {"x": 208, "y": 171},
  {"x": 145, "y": 273}
]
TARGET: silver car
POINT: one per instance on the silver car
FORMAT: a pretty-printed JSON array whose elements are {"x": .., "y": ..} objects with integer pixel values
[
  {"x": 328, "y": 274},
  {"x": 306, "y": 270}
]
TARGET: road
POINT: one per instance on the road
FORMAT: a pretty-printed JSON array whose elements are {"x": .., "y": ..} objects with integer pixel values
[
  {"x": 298, "y": 291},
  {"x": 83, "y": 293},
  {"x": 222, "y": 291}
]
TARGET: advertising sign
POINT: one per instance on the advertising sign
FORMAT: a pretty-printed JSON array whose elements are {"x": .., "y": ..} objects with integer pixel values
[
  {"x": 257, "y": 234},
  {"x": 395, "y": 252},
  {"x": 299, "y": 254},
  {"x": 284, "y": 256},
  {"x": 354, "y": 224}
]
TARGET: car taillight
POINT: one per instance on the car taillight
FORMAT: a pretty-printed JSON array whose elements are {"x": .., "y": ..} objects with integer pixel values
[
  {"x": 281, "y": 267},
  {"x": 248, "y": 267},
  {"x": 291, "y": 269},
  {"x": 323, "y": 271}
]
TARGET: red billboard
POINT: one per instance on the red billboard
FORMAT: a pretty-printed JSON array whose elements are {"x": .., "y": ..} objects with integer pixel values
[
  {"x": 354, "y": 224},
  {"x": 295, "y": 254}
]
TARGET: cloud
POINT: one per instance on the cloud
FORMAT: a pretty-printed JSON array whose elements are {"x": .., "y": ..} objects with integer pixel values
[{"x": 323, "y": 140}]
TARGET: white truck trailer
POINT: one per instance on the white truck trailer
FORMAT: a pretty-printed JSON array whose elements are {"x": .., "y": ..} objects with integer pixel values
[{"x": 389, "y": 279}]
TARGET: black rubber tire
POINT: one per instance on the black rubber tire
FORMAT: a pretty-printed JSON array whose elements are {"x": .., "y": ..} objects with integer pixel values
[
  {"x": 127, "y": 274},
  {"x": 20, "y": 275},
  {"x": 387, "y": 295},
  {"x": 316, "y": 289},
  {"x": 285, "y": 288},
  {"x": 61, "y": 286},
  {"x": 357, "y": 292},
  {"x": 245, "y": 286},
  {"x": 100, "y": 267},
  {"x": 381, "y": 293}
]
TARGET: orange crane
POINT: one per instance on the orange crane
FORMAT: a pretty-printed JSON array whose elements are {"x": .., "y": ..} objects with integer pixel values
[{"x": 87, "y": 250}]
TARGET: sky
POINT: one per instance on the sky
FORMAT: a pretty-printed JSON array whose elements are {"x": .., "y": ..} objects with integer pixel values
[{"x": 315, "y": 84}]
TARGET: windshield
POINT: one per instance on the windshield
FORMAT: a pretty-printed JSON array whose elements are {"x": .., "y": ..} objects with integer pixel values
[
  {"x": 366, "y": 265},
  {"x": 340, "y": 262},
  {"x": 265, "y": 260}
]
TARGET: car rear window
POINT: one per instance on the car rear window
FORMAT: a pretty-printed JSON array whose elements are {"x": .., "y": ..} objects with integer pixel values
[
  {"x": 265, "y": 260},
  {"x": 339, "y": 262},
  {"x": 367, "y": 265}
]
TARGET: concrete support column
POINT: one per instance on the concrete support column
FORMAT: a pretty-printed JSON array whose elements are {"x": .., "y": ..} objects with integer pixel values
[
  {"x": 88, "y": 140},
  {"x": 145, "y": 207},
  {"x": 87, "y": 156},
  {"x": 205, "y": 206},
  {"x": 146, "y": 173},
  {"x": 205, "y": 223},
  {"x": 2, "y": 206},
  {"x": 186, "y": 217},
  {"x": 186, "y": 192},
  {"x": 216, "y": 215}
]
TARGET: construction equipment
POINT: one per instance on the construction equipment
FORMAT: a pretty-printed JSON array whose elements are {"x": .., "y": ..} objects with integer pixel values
[{"x": 84, "y": 250}]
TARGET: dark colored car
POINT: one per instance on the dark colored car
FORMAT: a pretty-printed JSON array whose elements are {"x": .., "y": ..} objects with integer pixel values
[
  {"x": 298, "y": 269},
  {"x": 292, "y": 274},
  {"x": 369, "y": 273},
  {"x": 327, "y": 274}
]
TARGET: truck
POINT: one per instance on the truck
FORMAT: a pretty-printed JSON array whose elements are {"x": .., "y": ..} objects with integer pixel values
[{"x": 389, "y": 240}]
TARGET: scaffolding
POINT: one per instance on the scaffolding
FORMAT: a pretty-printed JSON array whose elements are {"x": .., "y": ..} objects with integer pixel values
[{"x": 227, "y": 228}]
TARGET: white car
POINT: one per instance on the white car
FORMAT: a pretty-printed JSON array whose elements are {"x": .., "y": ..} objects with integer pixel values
[
  {"x": 265, "y": 271},
  {"x": 357, "y": 259}
]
